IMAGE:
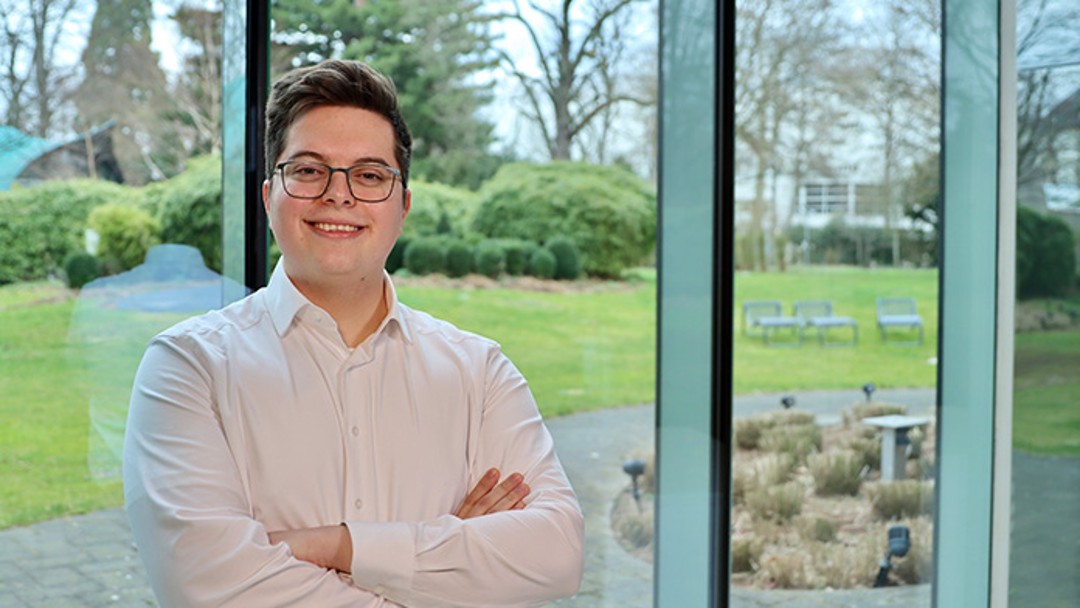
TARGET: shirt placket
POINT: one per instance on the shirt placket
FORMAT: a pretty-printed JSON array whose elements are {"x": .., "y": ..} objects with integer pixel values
[{"x": 355, "y": 401}]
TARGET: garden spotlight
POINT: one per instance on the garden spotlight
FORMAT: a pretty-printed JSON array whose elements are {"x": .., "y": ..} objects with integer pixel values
[
  {"x": 899, "y": 545},
  {"x": 869, "y": 389},
  {"x": 635, "y": 468},
  {"x": 788, "y": 401}
]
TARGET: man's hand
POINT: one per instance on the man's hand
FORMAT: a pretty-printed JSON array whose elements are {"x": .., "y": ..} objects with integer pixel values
[
  {"x": 326, "y": 546},
  {"x": 490, "y": 496}
]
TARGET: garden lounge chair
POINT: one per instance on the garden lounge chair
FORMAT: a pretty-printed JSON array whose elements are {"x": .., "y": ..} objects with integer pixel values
[
  {"x": 818, "y": 315},
  {"x": 766, "y": 317},
  {"x": 898, "y": 312}
]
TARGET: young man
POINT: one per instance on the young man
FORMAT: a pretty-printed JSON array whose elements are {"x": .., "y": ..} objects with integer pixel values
[{"x": 319, "y": 443}]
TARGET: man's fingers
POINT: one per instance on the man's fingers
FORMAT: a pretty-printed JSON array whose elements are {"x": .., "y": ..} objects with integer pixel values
[
  {"x": 512, "y": 497},
  {"x": 468, "y": 507}
]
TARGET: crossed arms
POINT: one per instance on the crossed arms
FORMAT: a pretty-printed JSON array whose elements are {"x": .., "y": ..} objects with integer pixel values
[{"x": 205, "y": 542}]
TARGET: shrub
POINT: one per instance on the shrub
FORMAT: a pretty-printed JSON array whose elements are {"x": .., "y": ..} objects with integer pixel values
[
  {"x": 125, "y": 233},
  {"x": 81, "y": 268},
  {"x": 43, "y": 225},
  {"x": 517, "y": 254},
  {"x": 426, "y": 255},
  {"x": 396, "y": 260},
  {"x": 636, "y": 528},
  {"x": 567, "y": 260},
  {"x": 189, "y": 208},
  {"x": 438, "y": 209},
  {"x": 901, "y": 498},
  {"x": 786, "y": 569},
  {"x": 746, "y": 553},
  {"x": 490, "y": 260},
  {"x": 542, "y": 264},
  {"x": 608, "y": 212},
  {"x": 776, "y": 502},
  {"x": 836, "y": 473},
  {"x": 1045, "y": 255},
  {"x": 459, "y": 258}
]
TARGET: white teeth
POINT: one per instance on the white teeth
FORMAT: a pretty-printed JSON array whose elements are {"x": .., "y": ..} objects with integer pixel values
[{"x": 336, "y": 227}]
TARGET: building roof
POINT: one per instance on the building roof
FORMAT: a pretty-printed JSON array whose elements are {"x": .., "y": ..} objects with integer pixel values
[{"x": 18, "y": 150}]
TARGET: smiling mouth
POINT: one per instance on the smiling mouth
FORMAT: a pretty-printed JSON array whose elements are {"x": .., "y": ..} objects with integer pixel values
[{"x": 335, "y": 227}]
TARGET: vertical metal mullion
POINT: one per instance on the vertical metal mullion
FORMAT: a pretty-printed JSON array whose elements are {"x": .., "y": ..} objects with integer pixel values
[
  {"x": 257, "y": 89},
  {"x": 723, "y": 301}
]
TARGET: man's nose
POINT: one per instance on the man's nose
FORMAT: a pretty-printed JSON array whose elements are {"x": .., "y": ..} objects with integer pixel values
[{"x": 337, "y": 191}]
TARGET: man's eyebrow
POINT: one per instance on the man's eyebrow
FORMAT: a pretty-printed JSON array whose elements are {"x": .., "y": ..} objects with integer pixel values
[{"x": 363, "y": 160}]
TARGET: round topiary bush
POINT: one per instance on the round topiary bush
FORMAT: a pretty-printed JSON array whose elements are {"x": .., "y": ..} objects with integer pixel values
[
  {"x": 459, "y": 259},
  {"x": 542, "y": 263},
  {"x": 567, "y": 260},
  {"x": 517, "y": 254},
  {"x": 608, "y": 212},
  {"x": 426, "y": 255},
  {"x": 81, "y": 268},
  {"x": 490, "y": 259},
  {"x": 125, "y": 234}
]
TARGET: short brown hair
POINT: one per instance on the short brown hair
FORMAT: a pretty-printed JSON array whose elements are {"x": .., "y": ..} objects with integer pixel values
[{"x": 334, "y": 82}]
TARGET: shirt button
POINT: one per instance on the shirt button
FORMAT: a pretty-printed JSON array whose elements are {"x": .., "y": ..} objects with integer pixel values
[
  {"x": 359, "y": 504},
  {"x": 356, "y": 431}
]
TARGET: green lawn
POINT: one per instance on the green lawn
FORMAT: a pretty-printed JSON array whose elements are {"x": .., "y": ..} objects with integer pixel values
[
  {"x": 1046, "y": 393},
  {"x": 580, "y": 351}
]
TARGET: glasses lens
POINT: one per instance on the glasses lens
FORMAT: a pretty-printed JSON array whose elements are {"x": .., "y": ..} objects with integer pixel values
[
  {"x": 371, "y": 182},
  {"x": 305, "y": 180}
]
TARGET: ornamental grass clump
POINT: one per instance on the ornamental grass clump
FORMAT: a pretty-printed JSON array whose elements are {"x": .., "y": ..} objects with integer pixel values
[
  {"x": 900, "y": 499},
  {"x": 799, "y": 440},
  {"x": 856, "y": 412},
  {"x": 839, "y": 473},
  {"x": 746, "y": 553},
  {"x": 816, "y": 529},
  {"x": 776, "y": 502}
]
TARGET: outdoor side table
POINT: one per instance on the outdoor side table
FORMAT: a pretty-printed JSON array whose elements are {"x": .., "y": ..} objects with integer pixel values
[{"x": 894, "y": 442}]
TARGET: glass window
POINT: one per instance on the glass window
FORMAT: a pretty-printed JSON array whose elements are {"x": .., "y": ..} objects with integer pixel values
[
  {"x": 111, "y": 219},
  {"x": 1046, "y": 416},
  {"x": 837, "y": 123}
]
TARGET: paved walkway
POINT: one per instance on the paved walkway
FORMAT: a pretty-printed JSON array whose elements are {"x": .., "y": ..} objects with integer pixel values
[{"x": 90, "y": 561}]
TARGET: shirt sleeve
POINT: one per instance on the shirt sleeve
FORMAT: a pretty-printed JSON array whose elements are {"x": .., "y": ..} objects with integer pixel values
[
  {"x": 189, "y": 513},
  {"x": 526, "y": 557}
]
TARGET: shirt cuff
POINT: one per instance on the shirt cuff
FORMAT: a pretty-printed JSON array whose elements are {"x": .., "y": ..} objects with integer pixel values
[{"x": 384, "y": 556}]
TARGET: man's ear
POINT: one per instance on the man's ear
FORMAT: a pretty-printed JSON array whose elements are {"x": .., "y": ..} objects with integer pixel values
[
  {"x": 266, "y": 196},
  {"x": 406, "y": 204}
]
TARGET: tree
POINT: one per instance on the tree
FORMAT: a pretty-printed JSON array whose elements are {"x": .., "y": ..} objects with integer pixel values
[
  {"x": 893, "y": 77},
  {"x": 1046, "y": 42},
  {"x": 434, "y": 50},
  {"x": 580, "y": 77},
  {"x": 123, "y": 81},
  {"x": 33, "y": 81},
  {"x": 198, "y": 91},
  {"x": 782, "y": 75}
]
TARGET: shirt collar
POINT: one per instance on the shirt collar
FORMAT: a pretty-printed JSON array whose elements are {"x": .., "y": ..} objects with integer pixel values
[{"x": 284, "y": 301}]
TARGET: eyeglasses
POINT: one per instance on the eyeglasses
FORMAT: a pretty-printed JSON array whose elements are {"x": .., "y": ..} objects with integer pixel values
[{"x": 371, "y": 183}]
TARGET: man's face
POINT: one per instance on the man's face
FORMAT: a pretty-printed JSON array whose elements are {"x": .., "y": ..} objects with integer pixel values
[{"x": 336, "y": 238}]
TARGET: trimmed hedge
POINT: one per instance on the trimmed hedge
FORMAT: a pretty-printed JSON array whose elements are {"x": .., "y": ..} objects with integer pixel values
[
  {"x": 189, "y": 208},
  {"x": 542, "y": 263},
  {"x": 490, "y": 258},
  {"x": 41, "y": 226},
  {"x": 1045, "y": 255},
  {"x": 426, "y": 255},
  {"x": 608, "y": 212},
  {"x": 567, "y": 261},
  {"x": 459, "y": 258},
  {"x": 81, "y": 268}
]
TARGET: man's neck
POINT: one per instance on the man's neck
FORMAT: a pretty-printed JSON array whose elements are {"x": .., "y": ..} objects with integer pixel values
[{"x": 358, "y": 307}]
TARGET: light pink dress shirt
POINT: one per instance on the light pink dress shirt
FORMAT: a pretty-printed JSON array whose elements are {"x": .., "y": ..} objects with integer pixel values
[{"x": 259, "y": 418}]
